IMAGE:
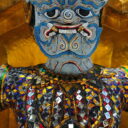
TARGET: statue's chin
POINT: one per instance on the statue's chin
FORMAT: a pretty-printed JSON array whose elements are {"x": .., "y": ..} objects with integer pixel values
[
  {"x": 70, "y": 68},
  {"x": 69, "y": 65}
]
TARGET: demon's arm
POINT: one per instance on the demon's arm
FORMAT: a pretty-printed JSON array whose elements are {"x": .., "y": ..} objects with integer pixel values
[
  {"x": 116, "y": 80},
  {"x": 125, "y": 87}
]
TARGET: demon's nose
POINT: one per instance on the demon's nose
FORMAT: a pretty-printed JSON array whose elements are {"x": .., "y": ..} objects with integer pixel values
[{"x": 68, "y": 15}]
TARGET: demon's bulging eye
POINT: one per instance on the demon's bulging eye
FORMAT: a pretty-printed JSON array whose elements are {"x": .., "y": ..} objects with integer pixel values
[
  {"x": 52, "y": 13},
  {"x": 85, "y": 13}
]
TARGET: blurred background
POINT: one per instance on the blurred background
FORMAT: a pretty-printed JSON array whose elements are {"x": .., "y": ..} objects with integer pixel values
[{"x": 18, "y": 48}]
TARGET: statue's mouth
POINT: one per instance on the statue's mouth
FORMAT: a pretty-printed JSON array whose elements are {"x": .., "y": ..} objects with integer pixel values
[
  {"x": 72, "y": 29},
  {"x": 73, "y": 64}
]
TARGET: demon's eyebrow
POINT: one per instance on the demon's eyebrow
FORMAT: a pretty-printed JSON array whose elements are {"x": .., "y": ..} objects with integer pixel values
[
  {"x": 97, "y": 4},
  {"x": 40, "y": 3},
  {"x": 69, "y": 2},
  {"x": 61, "y": 2}
]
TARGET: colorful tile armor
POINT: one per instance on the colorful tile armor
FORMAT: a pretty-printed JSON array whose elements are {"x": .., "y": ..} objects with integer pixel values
[{"x": 41, "y": 98}]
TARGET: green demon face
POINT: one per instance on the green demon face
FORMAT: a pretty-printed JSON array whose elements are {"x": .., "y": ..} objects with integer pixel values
[{"x": 67, "y": 32}]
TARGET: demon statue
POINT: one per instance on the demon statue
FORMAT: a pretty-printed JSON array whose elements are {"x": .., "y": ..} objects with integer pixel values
[{"x": 69, "y": 91}]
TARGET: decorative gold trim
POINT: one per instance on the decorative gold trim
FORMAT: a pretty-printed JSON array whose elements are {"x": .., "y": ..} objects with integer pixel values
[{"x": 97, "y": 122}]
